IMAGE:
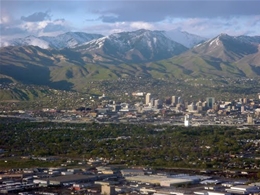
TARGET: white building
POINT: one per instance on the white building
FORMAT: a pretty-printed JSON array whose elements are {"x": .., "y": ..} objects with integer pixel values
[
  {"x": 243, "y": 189},
  {"x": 186, "y": 120}
]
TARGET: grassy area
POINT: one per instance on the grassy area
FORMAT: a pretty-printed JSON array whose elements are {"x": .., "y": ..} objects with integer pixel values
[{"x": 27, "y": 163}]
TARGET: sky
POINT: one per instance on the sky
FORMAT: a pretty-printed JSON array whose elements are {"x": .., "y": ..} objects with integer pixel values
[{"x": 206, "y": 18}]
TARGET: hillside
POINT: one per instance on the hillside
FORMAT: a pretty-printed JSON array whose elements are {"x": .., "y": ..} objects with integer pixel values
[
  {"x": 222, "y": 56},
  {"x": 142, "y": 53},
  {"x": 131, "y": 47}
]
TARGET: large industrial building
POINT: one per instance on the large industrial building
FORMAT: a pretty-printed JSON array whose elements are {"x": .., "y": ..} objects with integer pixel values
[
  {"x": 166, "y": 181},
  {"x": 67, "y": 179},
  {"x": 132, "y": 172}
]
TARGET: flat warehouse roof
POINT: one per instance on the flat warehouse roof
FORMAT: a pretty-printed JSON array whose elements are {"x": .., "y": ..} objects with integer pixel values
[
  {"x": 69, "y": 178},
  {"x": 158, "y": 179}
]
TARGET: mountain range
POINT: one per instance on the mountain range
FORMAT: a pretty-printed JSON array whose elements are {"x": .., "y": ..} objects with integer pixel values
[
  {"x": 72, "y": 39},
  {"x": 222, "y": 56},
  {"x": 133, "y": 47},
  {"x": 70, "y": 60},
  {"x": 69, "y": 39}
]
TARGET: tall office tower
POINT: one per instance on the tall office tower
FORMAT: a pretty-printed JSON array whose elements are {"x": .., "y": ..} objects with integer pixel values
[
  {"x": 168, "y": 100},
  {"x": 199, "y": 106},
  {"x": 191, "y": 107},
  {"x": 174, "y": 99},
  {"x": 242, "y": 108},
  {"x": 199, "y": 103},
  {"x": 179, "y": 100},
  {"x": 210, "y": 102},
  {"x": 204, "y": 105},
  {"x": 147, "y": 98},
  {"x": 151, "y": 102},
  {"x": 250, "y": 120},
  {"x": 245, "y": 100},
  {"x": 157, "y": 103}
]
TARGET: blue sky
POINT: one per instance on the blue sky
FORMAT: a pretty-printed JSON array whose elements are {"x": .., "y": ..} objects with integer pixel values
[{"x": 207, "y": 18}]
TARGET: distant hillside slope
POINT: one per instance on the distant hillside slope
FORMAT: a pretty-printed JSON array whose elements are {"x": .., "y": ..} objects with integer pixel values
[
  {"x": 131, "y": 47},
  {"x": 222, "y": 56},
  {"x": 146, "y": 54}
]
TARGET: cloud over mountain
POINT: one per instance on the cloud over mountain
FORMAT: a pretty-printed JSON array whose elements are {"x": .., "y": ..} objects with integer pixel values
[
  {"x": 36, "y": 17},
  {"x": 205, "y": 18}
]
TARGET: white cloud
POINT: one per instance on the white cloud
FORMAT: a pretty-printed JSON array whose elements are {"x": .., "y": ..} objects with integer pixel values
[
  {"x": 45, "y": 28},
  {"x": 117, "y": 27},
  {"x": 4, "y": 19},
  {"x": 152, "y": 17},
  {"x": 43, "y": 24},
  {"x": 141, "y": 25},
  {"x": 38, "y": 24},
  {"x": 36, "y": 17},
  {"x": 30, "y": 27},
  {"x": 210, "y": 27}
]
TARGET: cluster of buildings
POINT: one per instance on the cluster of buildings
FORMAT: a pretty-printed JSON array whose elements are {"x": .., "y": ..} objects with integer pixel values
[
  {"x": 113, "y": 180},
  {"x": 208, "y": 106},
  {"x": 146, "y": 108},
  {"x": 175, "y": 110}
]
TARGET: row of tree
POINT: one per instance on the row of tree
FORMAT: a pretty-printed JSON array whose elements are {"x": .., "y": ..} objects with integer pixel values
[{"x": 172, "y": 146}]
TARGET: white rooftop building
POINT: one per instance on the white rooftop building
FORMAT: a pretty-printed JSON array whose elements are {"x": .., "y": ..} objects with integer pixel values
[
  {"x": 166, "y": 181},
  {"x": 243, "y": 189}
]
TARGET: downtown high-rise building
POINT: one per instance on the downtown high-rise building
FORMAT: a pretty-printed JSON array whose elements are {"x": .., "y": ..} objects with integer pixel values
[
  {"x": 210, "y": 102},
  {"x": 174, "y": 99},
  {"x": 147, "y": 98},
  {"x": 179, "y": 100}
]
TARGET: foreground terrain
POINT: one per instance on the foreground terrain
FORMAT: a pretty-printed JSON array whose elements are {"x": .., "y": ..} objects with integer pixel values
[{"x": 146, "y": 145}]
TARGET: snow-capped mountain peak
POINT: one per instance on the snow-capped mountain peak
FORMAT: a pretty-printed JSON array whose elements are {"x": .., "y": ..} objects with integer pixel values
[
  {"x": 69, "y": 39},
  {"x": 143, "y": 45},
  {"x": 215, "y": 42},
  {"x": 74, "y": 39},
  {"x": 29, "y": 40},
  {"x": 227, "y": 48},
  {"x": 130, "y": 40}
]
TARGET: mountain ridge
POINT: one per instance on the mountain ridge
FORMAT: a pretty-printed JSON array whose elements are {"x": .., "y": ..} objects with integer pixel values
[
  {"x": 71, "y": 39},
  {"x": 184, "y": 38},
  {"x": 138, "y": 46},
  {"x": 71, "y": 68},
  {"x": 68, "y": 39}
]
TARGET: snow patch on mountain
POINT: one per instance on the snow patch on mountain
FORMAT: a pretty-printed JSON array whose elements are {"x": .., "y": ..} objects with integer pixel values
[
  {"x": 69, "y": 39},
  {"x": 29, "y": 40},
  {"x": 126, "y": 41},
  {"x": 4, "y": 43},
  {"x": 215, "y": 42},
  {"x": 139, "y": 46},
  {"x": 184, "y": 38}
]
